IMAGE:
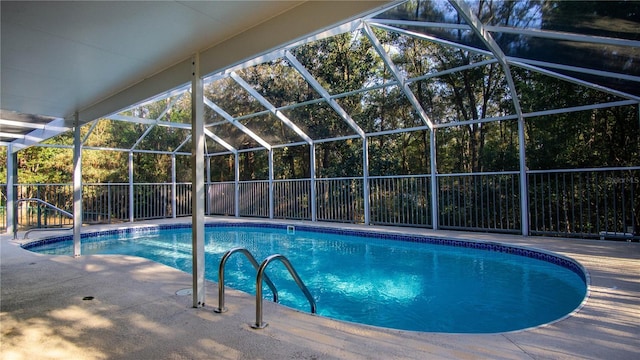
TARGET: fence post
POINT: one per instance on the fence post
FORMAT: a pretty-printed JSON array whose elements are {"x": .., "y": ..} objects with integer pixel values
[
  {"x": 365, "y": 180},
  {"x": 109, "y": 202},
  {"x": 524, "y": 188},
  {"x": 12, "y": 204},
  {"x": 131, "y": 202},
  {"x": 236, "y": 183},
  {"x": 207, "y": 184},
  {"x": 312, "y": 165},
  {"x": 435, "y": 216},
  {"x": 271, "y": 197},
  {"x": 173, "y": 186}
]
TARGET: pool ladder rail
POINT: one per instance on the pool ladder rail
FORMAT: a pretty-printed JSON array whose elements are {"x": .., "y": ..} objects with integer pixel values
[
  {"x": 221, "y": 308},
  {"x": 259, "y": 324}
]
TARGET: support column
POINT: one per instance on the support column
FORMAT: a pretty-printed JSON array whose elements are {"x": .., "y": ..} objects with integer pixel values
[
  {"x": 207, "y": 191},
  {"x": 312, "y": 165},
  {"x": 435, "y": 211},
  {"x": 236, "y": 183},
  {"x": 12, "y": 201},
  {"x": 524, "y": 188},
  {"x": 174, "y": 206},
  {"x": 77, "y": 187},
  {"x": 365, "y": 180},
  {"x": 197, "y": 182},
  {"x": 131, "y": 200},
  {"x": 271, "y": 199}
]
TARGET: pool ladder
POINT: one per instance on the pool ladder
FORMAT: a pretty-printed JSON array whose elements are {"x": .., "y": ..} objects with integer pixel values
[{"x": 259, "y": 324}]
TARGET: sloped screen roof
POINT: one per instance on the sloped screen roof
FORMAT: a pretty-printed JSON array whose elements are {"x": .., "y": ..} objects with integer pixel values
[{"x": 399, "y": 69}]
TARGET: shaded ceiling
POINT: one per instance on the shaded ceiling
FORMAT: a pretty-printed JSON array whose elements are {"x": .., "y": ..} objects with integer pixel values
[{"x": 94, "y": 58}]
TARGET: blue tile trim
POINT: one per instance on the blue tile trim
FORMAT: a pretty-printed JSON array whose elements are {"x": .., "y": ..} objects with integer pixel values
[{"x": 482, "y": 245}]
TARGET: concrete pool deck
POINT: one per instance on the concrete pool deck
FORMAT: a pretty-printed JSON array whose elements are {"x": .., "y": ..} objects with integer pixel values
[{"x": 135, "y": 312}]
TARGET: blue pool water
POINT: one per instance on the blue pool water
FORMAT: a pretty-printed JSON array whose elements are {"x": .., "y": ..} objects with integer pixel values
[{"x": 422, "y": 284}]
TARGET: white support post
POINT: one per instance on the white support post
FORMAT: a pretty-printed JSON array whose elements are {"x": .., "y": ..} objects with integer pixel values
[
  {"x": 236, "y": 183},
  {"x": 365, "y": 180},
  {"x": 208, "y": 186},
  {"x": 12, "y": 226},
  {"x": 435, "y": 211},
  {"x": 131, "y": 200},
  {"x": 174, "y": 206},
  {"x": 312, "y": 165},
  {"x": 197, "y": 182},
  {"x": 271, "y": 198},
  {"x": 524, "y": 188},
  {"x": 77, "y": 187}
]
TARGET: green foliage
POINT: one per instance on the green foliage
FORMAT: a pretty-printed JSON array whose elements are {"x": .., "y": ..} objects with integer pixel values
[
  {"x": 292, "y": 162},
  {"x": 45, "y": 165},
  {"x": 3, "y": 160}
]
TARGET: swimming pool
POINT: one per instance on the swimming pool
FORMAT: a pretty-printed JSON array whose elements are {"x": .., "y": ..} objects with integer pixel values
[{"x": 397, "y": 281}]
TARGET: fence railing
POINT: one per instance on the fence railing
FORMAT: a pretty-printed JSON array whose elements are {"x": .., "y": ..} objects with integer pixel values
[
  {"x": 582, "y": 203},
  {"x": 604, "y": 203},
  {"x": 401, "y": 200},
  {"x": 254, "y": 198},
  {"x": 38, "y": 215},
  {"x": 340, "y": 200},
  {"x": 292, "y": 199},
  {"x": 486, "y": 202},
  {"x": 221, "y": 198}
]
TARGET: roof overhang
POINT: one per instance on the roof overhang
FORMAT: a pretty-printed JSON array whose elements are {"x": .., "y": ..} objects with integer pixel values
[{"x": 94, "y": 58}]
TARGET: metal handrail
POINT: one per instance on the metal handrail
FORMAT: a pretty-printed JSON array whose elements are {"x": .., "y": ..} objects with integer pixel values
[
  {"x": 64, "y": 212},
  {"x": 40, "y": 201},
  {"x": 223, "y": 261},
  {"x": 259, "y": 324}
]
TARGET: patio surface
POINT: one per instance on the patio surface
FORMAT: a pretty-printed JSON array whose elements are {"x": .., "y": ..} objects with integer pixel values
[{"x": 136, "y": 314}]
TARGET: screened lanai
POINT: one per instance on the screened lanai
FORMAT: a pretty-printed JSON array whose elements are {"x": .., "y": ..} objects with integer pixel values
[{"x": 518, "y": 117}]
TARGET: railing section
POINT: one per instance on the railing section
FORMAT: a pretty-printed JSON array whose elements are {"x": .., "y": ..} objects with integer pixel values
[
  {"x": 588, "y": 203},
  {"x": 221, "y": 198},
  {"x": 292, "y": 199},
  {"x": 101, "y": 203},
  {"x": 254, "y": 198},
  {"x": 105, "y": 203},
  {"x": 35, "y": 214},
  {"x": 487, "y": 201},
  {"x": 183, "y": 199},
  {"x": 401, "y": 200},
  {"x": 584, "y": 203},
  {"x": 152, "y": 201},
  {"x": 340, "y": 200}
]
